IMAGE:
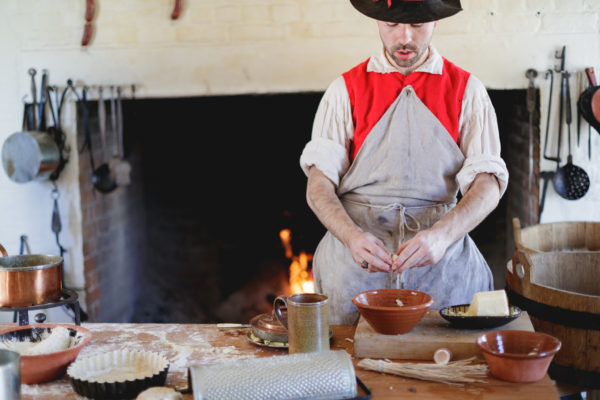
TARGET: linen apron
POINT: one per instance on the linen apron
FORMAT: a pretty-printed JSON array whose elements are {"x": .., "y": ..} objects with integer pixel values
[{"x": 401, "y": 181}]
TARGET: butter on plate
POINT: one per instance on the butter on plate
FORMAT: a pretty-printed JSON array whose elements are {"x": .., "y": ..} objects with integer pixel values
[{"x": 489, "y": 304}]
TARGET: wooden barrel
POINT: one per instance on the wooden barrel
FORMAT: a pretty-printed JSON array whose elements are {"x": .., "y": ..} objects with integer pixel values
[
  {"x": 561, "y": 293},
  {"x": 557, "y": 236}
]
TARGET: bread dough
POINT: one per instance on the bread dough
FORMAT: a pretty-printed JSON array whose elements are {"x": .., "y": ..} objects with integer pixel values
[
  {"x": 58, "y": 339},
  {"x": 159, "y": 393}
]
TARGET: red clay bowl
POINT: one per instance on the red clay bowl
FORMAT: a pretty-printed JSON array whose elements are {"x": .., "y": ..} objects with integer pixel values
[
  {"x": 46, "y": 367},
  {"x": 380, "y": 309},
  {"x": 518, "y": 356}
]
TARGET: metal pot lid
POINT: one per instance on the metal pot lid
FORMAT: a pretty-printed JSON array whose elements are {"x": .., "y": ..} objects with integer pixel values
[{"x": 267, "y": 325}]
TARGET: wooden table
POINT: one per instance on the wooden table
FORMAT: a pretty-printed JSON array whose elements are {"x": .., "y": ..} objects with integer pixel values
[{"x": 188, "y": 344}]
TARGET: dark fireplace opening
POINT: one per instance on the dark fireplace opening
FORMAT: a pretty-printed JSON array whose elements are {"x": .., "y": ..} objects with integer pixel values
[
  {"x": 215, "y": 180},
  {"x": 222, "y": 179}
]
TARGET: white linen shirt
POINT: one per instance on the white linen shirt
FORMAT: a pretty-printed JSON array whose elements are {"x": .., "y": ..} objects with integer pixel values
[{"x": 478, "y": 137}]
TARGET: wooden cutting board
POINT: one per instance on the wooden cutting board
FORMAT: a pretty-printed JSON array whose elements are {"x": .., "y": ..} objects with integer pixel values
[{"x": 431, "y": 333}]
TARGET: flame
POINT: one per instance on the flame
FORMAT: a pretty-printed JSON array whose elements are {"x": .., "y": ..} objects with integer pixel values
[{"x": 301, "y": 280}]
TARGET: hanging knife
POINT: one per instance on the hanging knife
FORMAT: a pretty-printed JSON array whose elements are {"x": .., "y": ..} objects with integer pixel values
[
  {"x": 33, "y": 110},
  {"x": 42, "y": 103},
  {"x": 578, "y": 110}
]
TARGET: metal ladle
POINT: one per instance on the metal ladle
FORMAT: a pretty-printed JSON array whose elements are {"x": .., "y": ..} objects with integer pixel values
[
  {"x": 570, "y": 181},
  {"x": 101, "y": 178}
]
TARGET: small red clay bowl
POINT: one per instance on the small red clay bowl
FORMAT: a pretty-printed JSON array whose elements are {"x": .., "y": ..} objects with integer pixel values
[
  {"x": 46, "y": 367},
  {"x": 518, "y": 356},
  {"x": 382, "y": 311}
]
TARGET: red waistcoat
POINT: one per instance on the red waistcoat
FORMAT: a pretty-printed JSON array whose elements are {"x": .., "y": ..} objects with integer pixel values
[{"x": 372, "y": 93}]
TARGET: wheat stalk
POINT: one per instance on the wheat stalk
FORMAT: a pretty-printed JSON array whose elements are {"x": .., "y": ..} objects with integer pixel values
[{"x": 453, "y": 373}]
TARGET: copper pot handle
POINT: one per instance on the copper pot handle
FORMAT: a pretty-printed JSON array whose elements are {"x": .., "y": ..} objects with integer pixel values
[{"x": 3, "y": 251}]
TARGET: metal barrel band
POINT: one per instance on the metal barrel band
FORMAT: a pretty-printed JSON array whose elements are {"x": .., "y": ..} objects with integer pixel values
[
  {"x": 557, "y": 315},
  {"x": 574, "y": 376}
]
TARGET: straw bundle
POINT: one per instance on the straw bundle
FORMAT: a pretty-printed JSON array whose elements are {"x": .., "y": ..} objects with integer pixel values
[{"x": 453, "y": 373}]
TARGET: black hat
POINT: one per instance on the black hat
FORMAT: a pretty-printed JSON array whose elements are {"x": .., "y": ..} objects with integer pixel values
[{"x": 407, "y": 11}]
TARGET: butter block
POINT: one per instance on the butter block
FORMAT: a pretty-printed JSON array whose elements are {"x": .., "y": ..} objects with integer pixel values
[{"x": 493, "y": 303}]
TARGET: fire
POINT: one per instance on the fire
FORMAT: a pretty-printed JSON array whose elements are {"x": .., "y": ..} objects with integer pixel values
[{"x": 301, "y": 280}]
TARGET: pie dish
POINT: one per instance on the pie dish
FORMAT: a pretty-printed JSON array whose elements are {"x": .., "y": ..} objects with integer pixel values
[{"x": 120, "y": 374}]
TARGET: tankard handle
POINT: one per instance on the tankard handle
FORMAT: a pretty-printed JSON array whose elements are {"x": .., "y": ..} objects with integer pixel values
[{"x": 278, "y": 303}]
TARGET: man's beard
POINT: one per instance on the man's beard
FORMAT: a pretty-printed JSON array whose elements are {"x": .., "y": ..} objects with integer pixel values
[{"x": 411, "y": 61}]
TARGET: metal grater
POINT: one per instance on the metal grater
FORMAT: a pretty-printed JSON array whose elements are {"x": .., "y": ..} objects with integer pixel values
[{"x": 314, "y": 376}]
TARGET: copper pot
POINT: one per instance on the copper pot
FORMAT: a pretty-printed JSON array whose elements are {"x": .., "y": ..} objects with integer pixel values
[{"x": 29, "y": 279}]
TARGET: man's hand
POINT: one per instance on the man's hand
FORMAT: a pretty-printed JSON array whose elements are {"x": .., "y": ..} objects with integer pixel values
[
  {"x": 364, "y": 246},
  {"x": 430, "y": 245},
  {"x": 427, "y": 247},
  {"x": 323, "y": 200}
]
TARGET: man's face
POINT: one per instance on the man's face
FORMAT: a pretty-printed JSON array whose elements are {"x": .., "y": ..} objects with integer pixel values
[{"x": 406, "y": 44}]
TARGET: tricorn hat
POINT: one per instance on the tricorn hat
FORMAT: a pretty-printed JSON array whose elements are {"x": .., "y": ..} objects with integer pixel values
[{"x": 407, "y": 11}]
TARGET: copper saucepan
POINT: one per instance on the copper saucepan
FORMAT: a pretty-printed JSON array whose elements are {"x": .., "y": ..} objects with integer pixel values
[{"x": 29, "y": 279}]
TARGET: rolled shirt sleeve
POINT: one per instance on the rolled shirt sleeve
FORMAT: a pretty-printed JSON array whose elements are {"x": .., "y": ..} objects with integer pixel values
[
  {"x": 332, "y": 132},
  {"x": 479, "y": 138}
]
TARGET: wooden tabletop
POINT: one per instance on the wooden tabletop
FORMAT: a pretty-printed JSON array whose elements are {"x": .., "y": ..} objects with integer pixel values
[{"x": 189, "y": 344}]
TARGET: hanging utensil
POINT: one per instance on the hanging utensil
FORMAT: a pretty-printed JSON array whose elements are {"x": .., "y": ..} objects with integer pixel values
[
  {"x": 49, "y": 91},
  {"x": 56, "y": 224},
  {"x": 547, "y": 175},
  {"x": 55, "y": 131},
  {"x": 549, "y": 73},
  {"x": 32, "y": 72},
  {"x": 531, "y": 74},
  {"x": 578, "y": 110},
  {"x": 31, "y": 154},
  {"x": 101, "y": 178},
  {"x": 123, "y": 168},
  {"x": 570, "y": 181},
  {"x": 113, "y": 122},
  {"x": 589, "y": 142},
  {"x": 103, "y": 172},
  {"x": 42, "y": 104}
]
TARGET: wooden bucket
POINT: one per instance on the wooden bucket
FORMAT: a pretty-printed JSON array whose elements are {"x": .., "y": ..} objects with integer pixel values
[
  {"x": 561, "y": 293},
  {"x": 557, "y": 236}
]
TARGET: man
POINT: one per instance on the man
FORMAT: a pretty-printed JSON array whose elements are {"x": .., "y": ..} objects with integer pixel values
[{"x": 394, "y": 140}]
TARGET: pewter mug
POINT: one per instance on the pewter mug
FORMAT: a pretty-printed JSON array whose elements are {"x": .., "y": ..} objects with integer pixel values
[
  {"x": 10, "y": 375},
  {"x": 307, "y": 321}
]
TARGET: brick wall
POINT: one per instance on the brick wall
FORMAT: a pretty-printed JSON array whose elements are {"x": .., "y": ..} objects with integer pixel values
[
  {"x": 113, "y": 232},
  {"x": 494, "y": 236}
]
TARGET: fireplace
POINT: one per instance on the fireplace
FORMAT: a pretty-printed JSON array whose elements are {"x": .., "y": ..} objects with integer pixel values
[{"x": 197, "y": 235}]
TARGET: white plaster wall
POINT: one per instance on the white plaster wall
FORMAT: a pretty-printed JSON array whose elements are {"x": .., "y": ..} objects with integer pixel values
[{"x": 256, "y": 46}]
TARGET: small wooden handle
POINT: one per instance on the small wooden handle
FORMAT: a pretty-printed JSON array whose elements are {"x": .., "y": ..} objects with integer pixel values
[
  {"x": 591, "y": 76},
  {"x": 176, "y": 10},
  {"x": 517, "y": 230},
  {"x": 523, "y": 260},
  {"x": 3, "y": 251}
]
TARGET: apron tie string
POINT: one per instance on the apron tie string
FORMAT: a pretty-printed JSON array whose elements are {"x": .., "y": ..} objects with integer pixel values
[
  {"x": 403, "y": 218},
  {"x": 398, "y": 279}
]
